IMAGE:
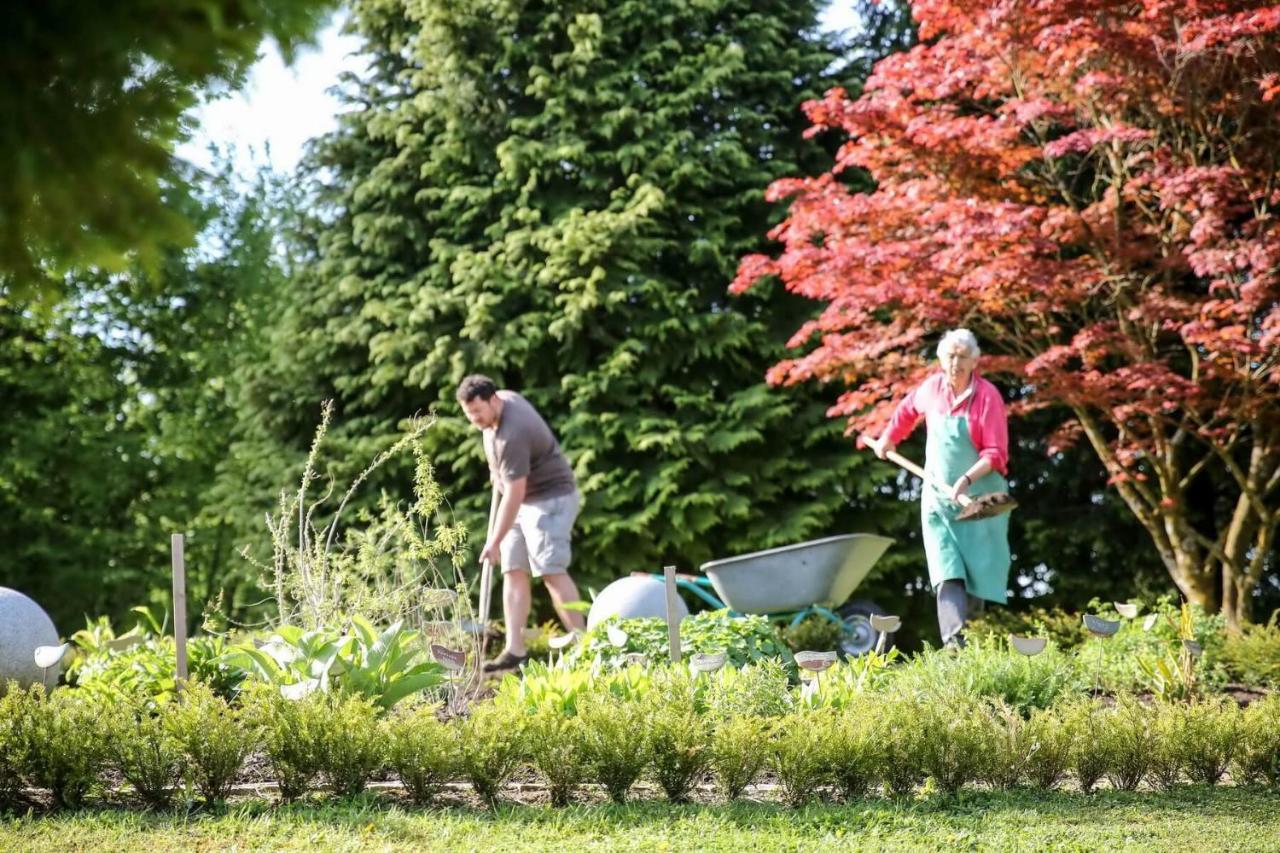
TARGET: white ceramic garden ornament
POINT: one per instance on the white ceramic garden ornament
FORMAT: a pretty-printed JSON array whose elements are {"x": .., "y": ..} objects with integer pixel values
[
  {"x": 885, "y": 624},
  {"x": 1029, "y": 646},
  {"x": 562, "y": 641},
  {"x": 616, "y": 635},
  {"x": 815, "y": 661},
  {"x": 636, "y": 659},
  {"x": 1149, "y": 622},
  {"x": 1128, "y": 611},
  {"x": 707, "y": 662},
  {"x": 1100, "y": 627}
]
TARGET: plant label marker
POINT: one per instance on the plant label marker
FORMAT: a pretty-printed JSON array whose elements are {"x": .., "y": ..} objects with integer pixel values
[
  {"x": 1128, "y": 611},
  {"x": 708, "y": 662},
  {"x": 617, "y": 636},
  {"x": 884, "y": 626},
  {"x": 448, "y": 658},
  {"x": 179, "y": 605},
  {"x": 673, "y": 619},
  {"x": 1100, "y": 627}
]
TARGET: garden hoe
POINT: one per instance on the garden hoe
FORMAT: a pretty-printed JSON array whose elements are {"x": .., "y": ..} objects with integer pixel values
[{"x": 971, "y": 509}]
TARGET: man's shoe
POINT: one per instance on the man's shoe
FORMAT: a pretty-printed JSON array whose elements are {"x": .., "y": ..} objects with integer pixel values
[{"x": 505, "y": 661}]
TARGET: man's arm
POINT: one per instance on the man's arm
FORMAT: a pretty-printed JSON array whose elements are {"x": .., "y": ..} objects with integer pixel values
[{"x": 512, "y": 497}]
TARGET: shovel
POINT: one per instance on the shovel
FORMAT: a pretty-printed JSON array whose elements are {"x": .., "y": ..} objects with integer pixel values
[{"x": 971, "y": 509}]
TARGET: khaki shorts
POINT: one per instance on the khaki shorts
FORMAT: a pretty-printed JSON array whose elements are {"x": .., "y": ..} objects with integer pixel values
[{"x": 538, "y": 542}]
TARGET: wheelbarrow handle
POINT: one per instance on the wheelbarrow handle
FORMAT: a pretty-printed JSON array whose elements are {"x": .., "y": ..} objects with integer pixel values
[{"x": 905, "y": 463}]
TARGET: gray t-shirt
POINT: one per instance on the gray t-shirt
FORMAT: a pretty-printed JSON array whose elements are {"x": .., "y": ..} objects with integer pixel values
[{"x": 523, "y": 445}]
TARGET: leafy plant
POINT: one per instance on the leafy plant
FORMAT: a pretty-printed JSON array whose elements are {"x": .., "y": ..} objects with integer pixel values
[
  {"x": 737, "y": 751},
  {"x": 744, "y": 639},
  {"x": 353, "y": 745},
  {"x": 541, "y": 688},
  {"x": 1127, "y": 742},
  {"x": 1050, "y": 755},
  {"x": 493, "y": 744},
  {"x": 759, "y": 689},
  {"x": 800, "y": 754},
  {"x": 677, "y": 737},
  {"x": 814, "y": 633},
  {"x": 214, "y": 737},
  {"x": 900, "y": 731},
  {"x": 554, "y": 749},
  {"x": 384, "y": 666},
  {"x": 65, "y": 738},
  {"x": 1013, "y": 742},
  {"x": 855, "y": 750},
  {"x": 1253, "y": 656},
  {"x": 849, "y": 680},
  {"x": 293, "y": 734},
  {"x": 1209, "y": 737},
  {"x": 960, "y": 739},
  {"x": 614, "y": 741},
  {"x": 16, "y": 706},
  {"x": 422, "y": 750},
  {"x": 143, "y": 749},
  {"x": 1083, "y": 721},
  {"x": 1258, "y": 758}
]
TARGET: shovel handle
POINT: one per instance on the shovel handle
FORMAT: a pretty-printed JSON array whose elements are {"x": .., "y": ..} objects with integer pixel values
[{"x": 905, "y": 463}]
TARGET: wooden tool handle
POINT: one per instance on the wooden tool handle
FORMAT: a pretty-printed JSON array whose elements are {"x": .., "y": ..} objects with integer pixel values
[{"x": 905, "y": 463}]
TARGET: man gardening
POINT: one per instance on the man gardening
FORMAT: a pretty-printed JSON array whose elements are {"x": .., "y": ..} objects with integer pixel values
[{"x": 540, "y": 501}]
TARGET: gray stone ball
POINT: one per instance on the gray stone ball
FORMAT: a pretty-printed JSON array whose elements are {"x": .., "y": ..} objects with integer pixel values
[
  {"x": 24, "y": 626},
  {"x": 631, "y": 597}
]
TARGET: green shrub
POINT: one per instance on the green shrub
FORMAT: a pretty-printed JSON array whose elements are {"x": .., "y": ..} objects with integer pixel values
[
  {"x": 492, "y": 746},
  {"x": 1050, "y": 756},
  {"x": 353, "y": 745},
  {"x": 554, "y": 748},
  {"x": 1209, "y": 739},
  {"x": 1253, "y": 656},
  {"x": 1013, "y": 742},
  {"x": 760, "y": 689},
  {"x": 65, "y": 736},
  {"x": 1258, "y": 756},
  {"x": 677, "y": 737},
  {"x": 145, "y": 752},
  {"x": 16, "y": 706},
  {"x": 1127, "y": 742},
  {"x": 800, "y": 754},
  {"x": 1167, "y": 728},
  {"x": 422, "y": 750},
  {"x": 901, "y": 733},
  {"x": 614, "y": 740},
  {"x": 1062, "y": 629},
  {"x": 293, "y": 734},
  {"x": 744, "y": 639},
  {"x": 215, "y": 739},
  {"x": 814, "y": 633},
  {"x": 855, "y": 751},
  {"x": 991, "y": 669},
  {"x": 959, "y": 741},
  {"x": 737, "y": 752},
  {"x": 1082, "y": 719}
]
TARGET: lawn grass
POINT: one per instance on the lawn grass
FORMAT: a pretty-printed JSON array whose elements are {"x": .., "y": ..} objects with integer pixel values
[{"x": 1196, "y": 817}]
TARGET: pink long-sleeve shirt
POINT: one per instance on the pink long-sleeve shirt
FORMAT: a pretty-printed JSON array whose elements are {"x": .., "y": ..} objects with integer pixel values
[{"x": 988, "y": 423}]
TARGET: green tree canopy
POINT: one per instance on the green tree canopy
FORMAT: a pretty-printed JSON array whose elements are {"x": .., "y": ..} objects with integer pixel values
[
  {"x": 556, "y": 194},
  {"x": 92, "y": 101}
]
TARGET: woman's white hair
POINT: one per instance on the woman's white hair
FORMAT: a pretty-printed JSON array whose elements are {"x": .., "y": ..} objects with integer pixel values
[{"x": 960, "y": 336}]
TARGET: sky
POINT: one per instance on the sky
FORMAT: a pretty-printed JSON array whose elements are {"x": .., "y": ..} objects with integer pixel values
[{"x": 282, "y": 107}]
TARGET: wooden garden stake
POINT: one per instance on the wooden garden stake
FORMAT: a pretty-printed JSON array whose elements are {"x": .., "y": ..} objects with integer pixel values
[
  {"x": 673, "y": 618},
  {"x": 180, "y": 606}
]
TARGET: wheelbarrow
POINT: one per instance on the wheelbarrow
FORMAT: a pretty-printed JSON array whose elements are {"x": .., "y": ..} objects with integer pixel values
[{"x": 798, "y": 581}]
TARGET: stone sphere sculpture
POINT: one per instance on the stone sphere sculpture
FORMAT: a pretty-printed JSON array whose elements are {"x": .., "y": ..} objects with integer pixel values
[
  {"x": 24, "y": 626},
  {"x": 631, "y": 597}
]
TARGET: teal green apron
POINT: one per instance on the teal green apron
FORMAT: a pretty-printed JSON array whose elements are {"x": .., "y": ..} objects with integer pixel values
[{"x": 976, "y": 552}]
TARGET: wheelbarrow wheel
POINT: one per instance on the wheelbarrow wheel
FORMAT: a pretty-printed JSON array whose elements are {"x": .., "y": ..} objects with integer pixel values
[{"x": 858, "y": 636}]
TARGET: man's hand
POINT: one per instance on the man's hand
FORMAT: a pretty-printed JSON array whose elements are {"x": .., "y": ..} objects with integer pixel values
[
  {"x": 489, "y": 553},
  {"x": 959, "y": 488}
]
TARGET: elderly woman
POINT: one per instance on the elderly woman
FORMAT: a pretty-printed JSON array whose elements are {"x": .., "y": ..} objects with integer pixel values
[{"x": 968, "y": 448}]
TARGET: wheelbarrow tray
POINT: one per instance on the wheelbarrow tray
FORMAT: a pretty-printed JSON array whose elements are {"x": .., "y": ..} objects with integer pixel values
[{"x": 823, "y": 572}]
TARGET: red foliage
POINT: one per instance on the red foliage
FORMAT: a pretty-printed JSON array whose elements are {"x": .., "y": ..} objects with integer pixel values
[{"x": 1091, "y": 186}]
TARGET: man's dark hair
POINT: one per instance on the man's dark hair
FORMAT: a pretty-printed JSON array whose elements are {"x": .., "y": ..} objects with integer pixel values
[{"x": 475, "y": 386}]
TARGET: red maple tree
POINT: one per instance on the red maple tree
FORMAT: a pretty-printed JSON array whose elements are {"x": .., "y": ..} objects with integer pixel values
[{"x": 1092, "y": 186}]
